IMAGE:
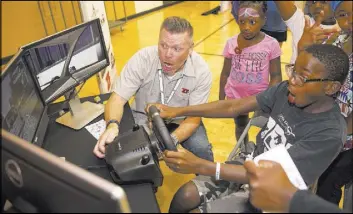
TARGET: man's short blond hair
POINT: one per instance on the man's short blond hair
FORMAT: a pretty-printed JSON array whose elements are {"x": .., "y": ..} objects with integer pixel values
[{"x": 176, "y": 24}]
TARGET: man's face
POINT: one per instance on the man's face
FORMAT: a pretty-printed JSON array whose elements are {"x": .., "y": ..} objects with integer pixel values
[
  {"x": 306, "y": 66},
  {"x": 250, "y": 22},
  {"x": 173, "y": 50},
  {"x": 343, "y": 15},
  {"x": 316, "y": 6}
]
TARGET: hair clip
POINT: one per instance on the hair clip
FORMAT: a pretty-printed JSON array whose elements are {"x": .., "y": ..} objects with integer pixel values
[{"x": 237, "y": 50}]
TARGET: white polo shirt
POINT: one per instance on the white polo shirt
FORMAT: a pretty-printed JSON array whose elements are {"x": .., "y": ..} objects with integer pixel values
[{"x": 140, "y": 77}]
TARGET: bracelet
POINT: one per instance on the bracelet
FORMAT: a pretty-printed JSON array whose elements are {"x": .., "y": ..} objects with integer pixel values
[
  {"x": 218, "y": 171},
  {"x": 113, "y": 121}
]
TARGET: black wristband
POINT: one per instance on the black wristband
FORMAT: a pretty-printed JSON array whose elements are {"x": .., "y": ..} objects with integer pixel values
[{"x": 113, "y": 121}]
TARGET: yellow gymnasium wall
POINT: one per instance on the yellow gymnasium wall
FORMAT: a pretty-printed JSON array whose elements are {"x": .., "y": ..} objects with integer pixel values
[
  {"x": 119, "y": 9},
  {"x": 21, "y": 21}
]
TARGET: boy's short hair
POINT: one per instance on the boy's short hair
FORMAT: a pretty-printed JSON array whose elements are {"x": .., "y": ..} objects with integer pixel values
[
  {"x": 333, "y": 58},
  {"x": 176, "y": 24},
  {"x": 260, "y": 4}
]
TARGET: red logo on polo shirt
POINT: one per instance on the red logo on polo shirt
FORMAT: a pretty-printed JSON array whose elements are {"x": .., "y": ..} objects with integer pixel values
[{"x": 185, "y": 90}]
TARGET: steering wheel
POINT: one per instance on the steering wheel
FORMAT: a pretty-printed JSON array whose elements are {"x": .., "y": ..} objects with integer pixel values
[{"x": 160, "y": 130}]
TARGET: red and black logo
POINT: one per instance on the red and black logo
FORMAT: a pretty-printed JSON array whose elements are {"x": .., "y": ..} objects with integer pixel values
[{"x": 185, "y": 90}]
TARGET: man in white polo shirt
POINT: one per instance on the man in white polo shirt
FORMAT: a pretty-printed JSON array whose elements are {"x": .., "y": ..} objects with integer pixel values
[{"x": 170, "y": 73}]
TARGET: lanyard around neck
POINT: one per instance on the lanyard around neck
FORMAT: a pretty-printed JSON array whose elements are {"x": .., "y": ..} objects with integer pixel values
[{"x": 161, "y": 87}]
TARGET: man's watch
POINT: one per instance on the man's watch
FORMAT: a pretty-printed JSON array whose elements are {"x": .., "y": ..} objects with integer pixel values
[
  {"x": 174, "y": 138},
  {"x": 113, "y": 121}
]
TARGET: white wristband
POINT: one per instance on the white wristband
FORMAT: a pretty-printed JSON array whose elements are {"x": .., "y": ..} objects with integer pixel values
[{"x": 218, "y": 171}]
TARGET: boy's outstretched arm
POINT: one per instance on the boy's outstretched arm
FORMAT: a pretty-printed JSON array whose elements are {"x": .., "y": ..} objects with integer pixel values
[{"x": 217, "y": 109}]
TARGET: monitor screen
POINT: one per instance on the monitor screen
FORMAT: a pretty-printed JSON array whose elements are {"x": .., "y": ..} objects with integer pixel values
[
  {"x": 21, "y": 105},
  {"x": 34, "y": 180},
  {"x": 63, "y": 60}
]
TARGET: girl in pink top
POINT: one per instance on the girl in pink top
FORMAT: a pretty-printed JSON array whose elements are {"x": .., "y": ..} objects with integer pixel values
[{"x": 251, "y": 59}]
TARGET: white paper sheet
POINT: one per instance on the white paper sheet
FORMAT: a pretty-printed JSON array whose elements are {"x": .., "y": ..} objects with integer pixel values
[
  {"x": 97, "y": 129},
  {"x": 280, "y": 155}
]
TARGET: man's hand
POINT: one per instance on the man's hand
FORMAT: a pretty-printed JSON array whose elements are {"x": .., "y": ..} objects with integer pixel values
[
  {"x": 270, "y": 188},
  {"x": 166, "y": 112},
  {"x": 107, "y": 137},
  {"x": 315, "y": 34},
  {"x": 182, "y": 161}
]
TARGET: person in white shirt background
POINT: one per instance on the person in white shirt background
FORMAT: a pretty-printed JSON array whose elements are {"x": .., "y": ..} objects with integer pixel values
[{"x": 295, "y": 20}]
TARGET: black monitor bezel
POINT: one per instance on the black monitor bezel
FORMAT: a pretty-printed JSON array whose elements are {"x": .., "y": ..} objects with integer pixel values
[
  {"x": 48, "y": 38},
  {"x": 6, "y": 71},
  {"x": 24, "y": 153}
]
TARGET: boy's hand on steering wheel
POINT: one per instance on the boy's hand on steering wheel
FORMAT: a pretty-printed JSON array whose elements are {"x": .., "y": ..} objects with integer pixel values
[
  {"x": 182, "y": 161},
  {"x": 166, "y": 112}
]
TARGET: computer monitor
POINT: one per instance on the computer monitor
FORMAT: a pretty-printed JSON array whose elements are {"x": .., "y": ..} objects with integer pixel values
[
  {"x": 34, "y": 180},
  {"x": 62, "y": 61},
  {"x": 23, "y": 112}
]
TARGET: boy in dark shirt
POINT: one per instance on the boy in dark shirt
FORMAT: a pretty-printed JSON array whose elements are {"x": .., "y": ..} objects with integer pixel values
[{"x": 304, "y": 117}]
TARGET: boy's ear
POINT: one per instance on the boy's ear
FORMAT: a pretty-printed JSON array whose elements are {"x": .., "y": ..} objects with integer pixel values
[{"x": 332, "y": 88}]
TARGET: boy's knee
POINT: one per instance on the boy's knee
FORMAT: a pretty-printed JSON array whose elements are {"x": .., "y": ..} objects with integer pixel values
[{"x": 186, "y": 199}]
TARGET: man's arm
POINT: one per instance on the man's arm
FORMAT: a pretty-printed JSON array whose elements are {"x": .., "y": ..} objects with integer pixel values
[
  {"x": 286, "y": 9},
  {"x": 187, "y": 128},
  {"x": 124, "y": 87},
  {"x": 114, "y": 109}
]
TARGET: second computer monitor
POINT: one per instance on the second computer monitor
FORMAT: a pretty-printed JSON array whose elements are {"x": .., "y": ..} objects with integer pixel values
[
  {"x": 64, "y": 60},
  {"x": 34, "y": 180},
  {"x": 23, "y": 112}
]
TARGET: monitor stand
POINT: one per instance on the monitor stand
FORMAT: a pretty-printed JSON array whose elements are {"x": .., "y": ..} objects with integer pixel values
[{"x": 80, "y": 114}]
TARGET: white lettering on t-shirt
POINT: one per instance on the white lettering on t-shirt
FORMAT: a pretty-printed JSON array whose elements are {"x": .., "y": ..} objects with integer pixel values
[{"x": 273, "y": 134}]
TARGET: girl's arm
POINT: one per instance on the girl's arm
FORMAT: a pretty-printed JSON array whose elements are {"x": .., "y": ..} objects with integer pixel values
[
  {"x": 275, "y": 71},
  {"x": 224, "y": 76}
]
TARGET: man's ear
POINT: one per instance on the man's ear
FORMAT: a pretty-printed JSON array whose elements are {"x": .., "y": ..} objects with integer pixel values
[
  {"x": 191, "y": 48},
  {"x": 332, "y": 88}
]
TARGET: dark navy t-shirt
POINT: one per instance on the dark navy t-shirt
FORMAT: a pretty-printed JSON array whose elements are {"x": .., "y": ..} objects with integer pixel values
[{"x": 313, "y": 140}]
